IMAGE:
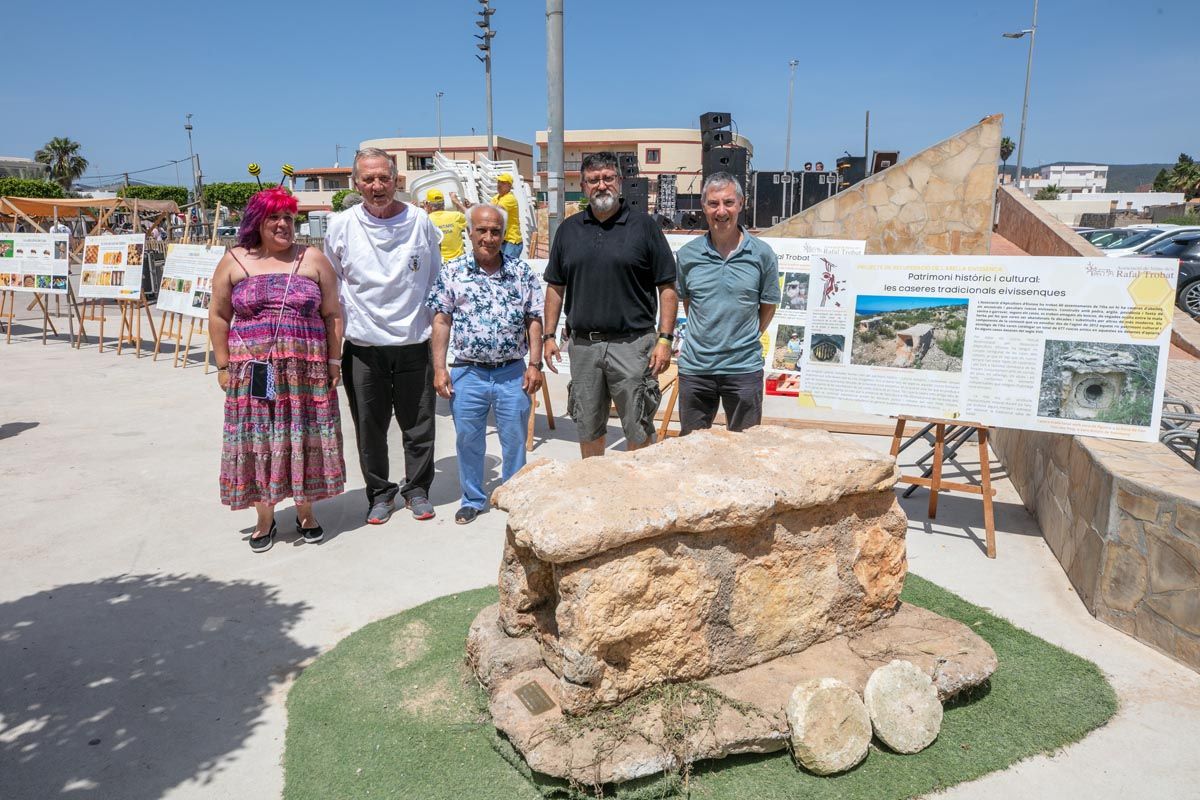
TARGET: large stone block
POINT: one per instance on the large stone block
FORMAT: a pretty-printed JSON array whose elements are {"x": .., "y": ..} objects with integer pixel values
[{"x": 766, "y": 543}]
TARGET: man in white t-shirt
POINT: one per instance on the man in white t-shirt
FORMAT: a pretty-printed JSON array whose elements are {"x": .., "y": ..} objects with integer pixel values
[
  {"x": 59, "y": 227},
  {"x": 386, "y": 256}
]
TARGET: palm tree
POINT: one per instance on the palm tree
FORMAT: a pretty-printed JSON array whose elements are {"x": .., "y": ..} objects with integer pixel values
[
  {"x": 1006, "y": 150},
  {"x": 1184, "y": 177},
  {"x": 62, "y": 155}
]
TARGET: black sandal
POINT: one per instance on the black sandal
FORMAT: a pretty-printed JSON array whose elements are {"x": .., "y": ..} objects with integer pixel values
[
  {"x": 262, "y": 544},
  {"x": 312, "y": 535}
]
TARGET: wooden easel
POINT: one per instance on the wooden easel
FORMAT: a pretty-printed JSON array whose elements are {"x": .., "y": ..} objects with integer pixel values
[
  {"x": 532, "y": 411},
  {"x": 668, "y": 379},
  {"x": 8, "y": 298},
  {"x": 131, "y": 323},
  {"x": 932, "y": 479}
]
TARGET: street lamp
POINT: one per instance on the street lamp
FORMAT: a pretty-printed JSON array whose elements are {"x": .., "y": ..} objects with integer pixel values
[
  {"x": 337, "y": 154},
  {"x": 787, "y": 147},
  {"x": 485, "y": 44},
  {"x": 438, "y": 95},
  {"x": 1031, "y": 31},
  {"x": 187, "y": 126}
]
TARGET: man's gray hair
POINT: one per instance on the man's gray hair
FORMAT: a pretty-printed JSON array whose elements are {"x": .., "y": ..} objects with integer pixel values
[
  {"x": 719, "y": 180},
  {"x": 594, "y": 162},
  {"x": 371, "y": 152},
  {"x": 478, "y": 206}
]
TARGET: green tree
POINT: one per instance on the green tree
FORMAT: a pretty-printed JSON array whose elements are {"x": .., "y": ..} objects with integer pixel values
[
  {"x": 339, "y": 199},
  {"x": 230, "y": 195},
  {"x": 1006, "y": 151},
  {"x": 25, "y": 187},
  {"x": 1183, "y": 177},
  {"x": 179, "y": 194},
  {"x": 62, "y": 156},
  {"x": 1050, "y": 192}
]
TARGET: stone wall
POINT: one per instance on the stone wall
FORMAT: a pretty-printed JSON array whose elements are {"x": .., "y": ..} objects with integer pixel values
[
  {"x": 938, "y": 202},
  {"x": 1123, "y": 518},
  {"x": 1035, "y": 230}
]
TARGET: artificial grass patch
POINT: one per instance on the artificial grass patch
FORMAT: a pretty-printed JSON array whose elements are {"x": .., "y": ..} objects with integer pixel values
[{"x": 392, "y": 712}]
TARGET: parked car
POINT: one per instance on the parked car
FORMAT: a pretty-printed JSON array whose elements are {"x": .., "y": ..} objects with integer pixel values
[
  {"x": 1100, "y": 236},
  {"x": 1164, "y": 233},
  {"x": 1185, "y": 247},
  {"x": 227, "y": 230}
]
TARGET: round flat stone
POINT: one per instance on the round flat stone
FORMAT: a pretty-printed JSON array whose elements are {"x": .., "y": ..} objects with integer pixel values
[
  {"x": 904, "y": 707},
  {"x": 831, "y": 729}
]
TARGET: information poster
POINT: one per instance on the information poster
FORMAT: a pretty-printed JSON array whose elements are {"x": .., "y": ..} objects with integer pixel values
[
  {"x": 1063, "y": 345},
  {"x": 34, "y": 262},
  {"x": 783, "y": 341},
  {"x": 112, "y": 267},
  {"x": 784, "y": 338},
  {"x": 186, "y": 286}
]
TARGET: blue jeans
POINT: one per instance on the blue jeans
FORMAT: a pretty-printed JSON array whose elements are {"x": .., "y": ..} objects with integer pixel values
[
  {"x": 476, "y": 391},
  {"x": 512, "y": 249}
]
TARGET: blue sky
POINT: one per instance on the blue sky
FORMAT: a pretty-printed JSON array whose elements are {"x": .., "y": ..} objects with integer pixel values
[
  {"x": 878, "y": 304},
  {"x": 286, "y": 82}
]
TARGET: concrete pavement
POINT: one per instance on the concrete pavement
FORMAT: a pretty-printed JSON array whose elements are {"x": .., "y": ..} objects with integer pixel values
[{"x": 145, "y": 652}]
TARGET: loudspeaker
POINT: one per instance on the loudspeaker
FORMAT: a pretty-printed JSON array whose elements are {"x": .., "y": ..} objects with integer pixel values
[
  {"x": 726, "y": 159},
  {"x": 814, "y": 187},
  {"x": 711, "y": 139},
  {"x": 769, "y": 192},
  {"x": 713, "y": 120},
  {"x": 629, "y": 165},
  {"x": 636, "y": 192}
]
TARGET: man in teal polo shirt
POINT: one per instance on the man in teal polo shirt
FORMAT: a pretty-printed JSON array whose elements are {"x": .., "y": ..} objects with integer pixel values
[{"x": 729, "y": 283}]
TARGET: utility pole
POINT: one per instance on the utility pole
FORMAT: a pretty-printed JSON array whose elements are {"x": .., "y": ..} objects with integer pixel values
[
  {"x": 554, "y": 115},
  {"x": 438, "y": 95},
  {"x": 867, "y": 147},
  {"x": 485, "y": 44},
  {"x": 789, "y": 190}
]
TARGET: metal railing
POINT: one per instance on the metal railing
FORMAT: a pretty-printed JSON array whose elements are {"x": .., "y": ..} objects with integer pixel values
[{"x": 568, "y": 166}]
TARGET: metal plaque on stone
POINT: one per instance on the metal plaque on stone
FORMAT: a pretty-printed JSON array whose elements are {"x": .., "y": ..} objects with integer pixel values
[{"x": 534, "y": 698}]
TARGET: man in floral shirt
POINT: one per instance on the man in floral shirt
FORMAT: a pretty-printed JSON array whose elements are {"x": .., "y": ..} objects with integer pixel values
[{"x": 490, "y": 306}]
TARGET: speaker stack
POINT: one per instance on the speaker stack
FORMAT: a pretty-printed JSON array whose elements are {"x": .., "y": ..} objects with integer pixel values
[
  {"x": 720, "y": 154},
  {"x": 813, "y": 188},
  {"x": 666, "y": 196},
  {"x": 636, "y": 192},
  {"x": 629, "y": 164}
]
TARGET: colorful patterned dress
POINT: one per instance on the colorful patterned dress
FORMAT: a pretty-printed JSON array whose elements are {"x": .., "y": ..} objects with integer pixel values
[{"x": 290, "y": 446}]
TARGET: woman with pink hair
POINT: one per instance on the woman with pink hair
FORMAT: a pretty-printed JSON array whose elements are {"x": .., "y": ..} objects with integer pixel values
[{"x": 276, "y": 329}]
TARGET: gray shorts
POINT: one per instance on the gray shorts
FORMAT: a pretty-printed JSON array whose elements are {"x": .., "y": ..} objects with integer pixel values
[{"x": 613, "y": 372}]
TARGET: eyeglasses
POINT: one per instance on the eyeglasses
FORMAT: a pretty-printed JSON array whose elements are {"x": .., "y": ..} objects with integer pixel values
[{"x": 599, "y": 179}]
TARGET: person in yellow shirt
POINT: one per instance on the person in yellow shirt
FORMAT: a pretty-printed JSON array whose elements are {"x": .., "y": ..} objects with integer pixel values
[
  {"x": 505, "y": 198},
  {"x": 450, "y": 223}
]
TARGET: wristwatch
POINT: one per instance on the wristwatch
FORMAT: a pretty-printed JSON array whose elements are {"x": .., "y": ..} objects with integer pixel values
[
  {"x": 536, "y": 365},
  {"x": 547, "y": 337},
  {"x": 663, "y": 336}
]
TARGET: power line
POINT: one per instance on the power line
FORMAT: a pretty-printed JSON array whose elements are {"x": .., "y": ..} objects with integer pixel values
[{"x": 123, "y": 173}]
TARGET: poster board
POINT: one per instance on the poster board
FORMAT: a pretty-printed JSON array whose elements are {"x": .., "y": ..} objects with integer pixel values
[
  {"x": 34, "y": 262},
  {"x": 186, "y": 286},
  {"x": 783, "y": 341},
  {"x": 1061, "y": 345},
  {"x": 784, "y": 338},
  {"x": 112, "y": 267}
]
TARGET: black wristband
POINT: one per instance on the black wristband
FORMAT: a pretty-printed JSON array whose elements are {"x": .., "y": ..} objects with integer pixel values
[
  {"x": 665, "y": 335},
  {"x": 547, "y": 337}
]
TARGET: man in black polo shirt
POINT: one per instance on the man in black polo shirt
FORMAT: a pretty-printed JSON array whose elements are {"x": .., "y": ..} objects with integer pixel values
[{"x": 610, "y": 264}]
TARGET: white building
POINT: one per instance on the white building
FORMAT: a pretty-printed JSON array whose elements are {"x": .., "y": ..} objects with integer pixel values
[
  {"x": 20, "y": 167},
  {"x": 1070, "y": 178}
]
